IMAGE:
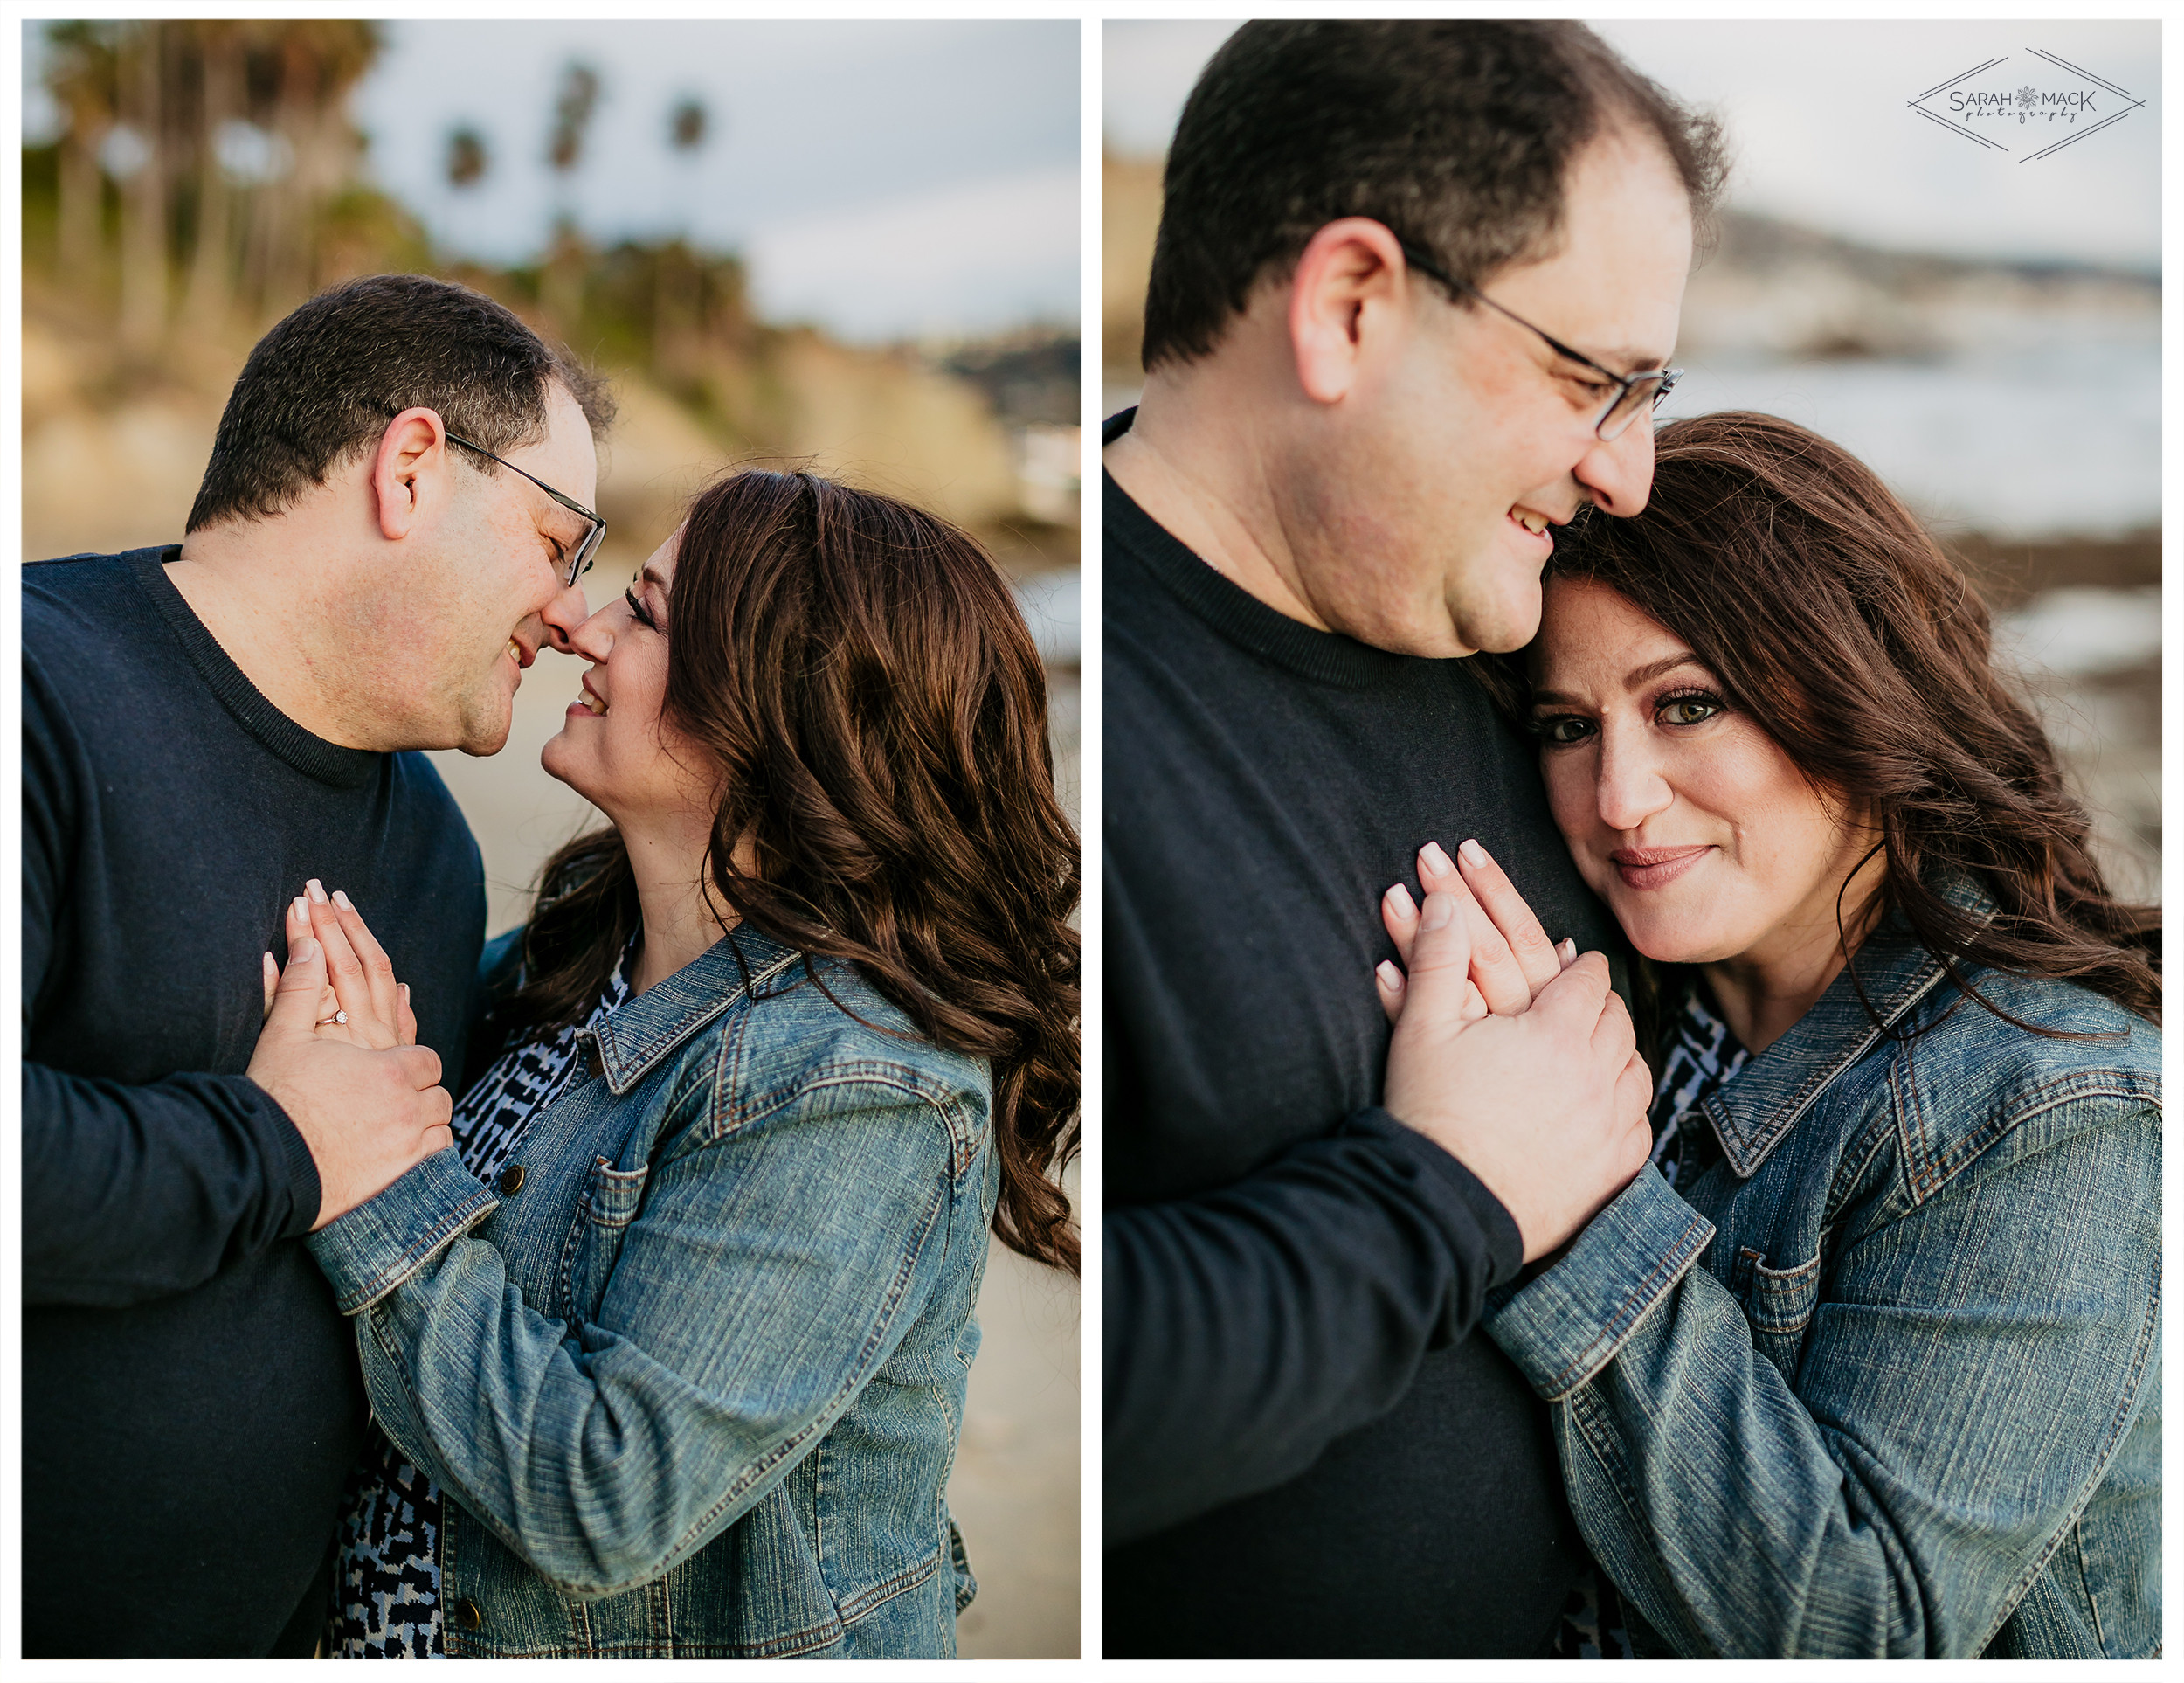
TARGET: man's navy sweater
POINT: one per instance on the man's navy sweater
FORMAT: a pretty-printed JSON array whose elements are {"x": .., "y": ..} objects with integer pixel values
[
  {"x": 191, "y": 1398},
  {"x": 1308, "y": 1450}
]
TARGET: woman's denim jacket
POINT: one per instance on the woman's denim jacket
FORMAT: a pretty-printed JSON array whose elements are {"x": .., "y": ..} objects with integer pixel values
[
  {"x": 692, "y": 1382},
  {"x": 1887, "y": 1380}
]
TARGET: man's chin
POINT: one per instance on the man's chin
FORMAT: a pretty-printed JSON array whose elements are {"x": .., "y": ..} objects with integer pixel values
[{"x": 487, "y": 734}]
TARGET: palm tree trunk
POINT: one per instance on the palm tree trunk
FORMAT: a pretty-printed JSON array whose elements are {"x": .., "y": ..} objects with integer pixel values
[
  {"x": 212, "y": 272},
  {"x": 143, "y": 195},
  {"x": 81, "y": 196}
]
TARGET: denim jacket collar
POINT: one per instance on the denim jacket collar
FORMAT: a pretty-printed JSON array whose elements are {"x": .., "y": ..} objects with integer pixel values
[
  {"x": 630, "y": 1041},
  {"x": 1754, "y": 1113}
]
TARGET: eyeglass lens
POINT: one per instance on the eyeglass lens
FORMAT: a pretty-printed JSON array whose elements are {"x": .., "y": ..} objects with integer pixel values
[{"x": 1639, "y": 397}]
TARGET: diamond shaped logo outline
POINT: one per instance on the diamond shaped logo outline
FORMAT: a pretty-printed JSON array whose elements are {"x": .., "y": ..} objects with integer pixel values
[{"x": 1918, "y": 104}]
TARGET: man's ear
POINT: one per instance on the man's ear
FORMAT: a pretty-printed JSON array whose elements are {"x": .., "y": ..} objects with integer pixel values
[
  {"x": 1351, "y": 271},
  {"x": 411, "y": 460}
]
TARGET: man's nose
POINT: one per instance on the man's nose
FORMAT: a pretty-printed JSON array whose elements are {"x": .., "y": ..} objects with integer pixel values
[
  {"x": 1618, "y": 471},
  {"x": 564, "y": 616}
]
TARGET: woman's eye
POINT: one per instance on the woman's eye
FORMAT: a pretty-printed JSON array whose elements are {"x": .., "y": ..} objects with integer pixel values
[
  {"x": 1561, "y": 732},
  {"x": 1689, "y": 709},
  {"x": 638, "y": 609}
]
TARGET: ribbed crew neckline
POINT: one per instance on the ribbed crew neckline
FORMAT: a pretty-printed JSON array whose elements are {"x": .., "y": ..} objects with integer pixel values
[
  {"x": 1325, "y": 657},
  {"x": 325, "y": 762}
]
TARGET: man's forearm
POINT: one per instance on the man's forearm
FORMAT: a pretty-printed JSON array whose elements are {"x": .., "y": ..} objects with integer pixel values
[
  {"x": 134, "y": 1193},
  {"x": 1247, "y": 1328}
]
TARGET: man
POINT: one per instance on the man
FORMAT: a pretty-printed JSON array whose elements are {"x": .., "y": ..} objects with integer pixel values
[
  {"x": 1414, "y": 287},
  {"x": 207, "y": 728}
]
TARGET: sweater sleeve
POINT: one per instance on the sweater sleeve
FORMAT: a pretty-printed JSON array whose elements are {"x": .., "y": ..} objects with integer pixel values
[
  {"x": 1247, "y": 1328},
  {"x": 129, "y": 1191}
]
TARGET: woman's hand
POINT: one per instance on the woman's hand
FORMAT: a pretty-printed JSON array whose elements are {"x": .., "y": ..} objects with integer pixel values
[
  {"x": 361, "y": 1003},
  {"x": 339, "y": 1055},
  {"x": 1511, "y": 957}
]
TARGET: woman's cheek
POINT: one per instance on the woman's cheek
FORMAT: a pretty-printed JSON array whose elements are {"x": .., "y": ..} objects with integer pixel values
[{"x": 1570, "y": 798}]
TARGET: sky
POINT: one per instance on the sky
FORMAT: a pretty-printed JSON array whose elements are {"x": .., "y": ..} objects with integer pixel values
[
  {"x": 885, "y": 180},
  {"x": 1817, "y": 115}
]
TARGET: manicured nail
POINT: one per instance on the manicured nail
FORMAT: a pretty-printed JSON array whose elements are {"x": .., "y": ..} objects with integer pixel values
[
  {"x": 1391, "y": 978},
  {"x": 1440, "y": 908},
  {"x": 403, "y": 989},
  {"x": 1568, "y": 949},
  {"x": 299, "y": 910},
  {"x": 1474, "y": 855},
  {"x": 317, "y": 893},
  {"x": 1399, "y": 901},
  {"x": 1436, "y": 861},
  {"x": 341, "y": 900},
  {"x": 302, "y": 951}
]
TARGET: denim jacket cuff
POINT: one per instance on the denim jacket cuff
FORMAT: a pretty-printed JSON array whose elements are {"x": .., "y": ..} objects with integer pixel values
[
  {"x": 1567, "y": 1325},
  {"x": 375, "y": 1246}
]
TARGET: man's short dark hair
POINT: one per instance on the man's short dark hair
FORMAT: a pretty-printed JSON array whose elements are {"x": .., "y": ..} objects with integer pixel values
[
  {"x": 321, "y": 387},
  {"x": 1456, "y": 136}
]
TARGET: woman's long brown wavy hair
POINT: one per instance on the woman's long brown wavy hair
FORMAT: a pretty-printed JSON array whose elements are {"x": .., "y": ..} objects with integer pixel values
[
  {"x": 1835, "y": 622},
  {"x": 860, "y": 673}
]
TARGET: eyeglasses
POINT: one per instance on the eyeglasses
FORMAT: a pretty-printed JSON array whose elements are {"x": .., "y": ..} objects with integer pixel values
[
  {"x": 1636, "y": 394},
  {"x": 580, "y": 558}
]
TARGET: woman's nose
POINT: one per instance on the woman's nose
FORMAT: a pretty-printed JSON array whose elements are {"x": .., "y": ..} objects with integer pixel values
[
  {"x": 593, "y": 638},
  {"x": 1632, "y": 785}
]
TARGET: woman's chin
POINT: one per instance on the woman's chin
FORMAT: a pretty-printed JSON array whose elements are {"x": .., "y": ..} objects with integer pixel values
[
  {"x": 560, "y": 759},
  {"x": 1672, "y": 940}
]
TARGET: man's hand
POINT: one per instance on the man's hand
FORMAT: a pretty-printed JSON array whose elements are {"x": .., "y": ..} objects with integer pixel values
[
  {"x": 367, "y": 1115},
  {"x": 1547, "y": 1106}
]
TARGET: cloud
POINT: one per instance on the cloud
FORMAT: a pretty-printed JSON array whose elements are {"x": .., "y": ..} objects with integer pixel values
[{"x": 958, "y": 260}]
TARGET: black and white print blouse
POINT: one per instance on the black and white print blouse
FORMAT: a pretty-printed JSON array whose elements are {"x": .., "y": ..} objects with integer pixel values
[{"x": 386, "y": 1575}]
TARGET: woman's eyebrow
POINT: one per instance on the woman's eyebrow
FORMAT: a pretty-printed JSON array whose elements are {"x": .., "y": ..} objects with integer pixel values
[
  {"x": 1635, "y": 679},
  {"x": 649, "y": 577},
  {"x": 1646, "y": 674}
]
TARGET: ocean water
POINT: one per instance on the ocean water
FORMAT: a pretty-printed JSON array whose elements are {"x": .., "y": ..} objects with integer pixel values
[
  {"x": 2053, "y": 434},
  {"x": 2061, "y": 440}
]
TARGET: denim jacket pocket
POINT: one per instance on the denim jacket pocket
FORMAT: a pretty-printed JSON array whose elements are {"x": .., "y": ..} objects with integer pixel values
[
  {"x": 1779, "y": 1304},
  {"x": 603, "y": 1214}
]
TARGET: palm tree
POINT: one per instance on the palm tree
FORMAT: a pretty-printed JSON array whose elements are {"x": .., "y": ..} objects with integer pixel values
[
  {"x": 82, "y": 74},
  {"x": 562, "y": 279}
]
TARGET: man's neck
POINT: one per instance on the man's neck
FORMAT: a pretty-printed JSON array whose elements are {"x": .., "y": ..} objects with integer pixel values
[
  {"x": 277, "y": 635},
  {"x": 1195, "y": 468}
]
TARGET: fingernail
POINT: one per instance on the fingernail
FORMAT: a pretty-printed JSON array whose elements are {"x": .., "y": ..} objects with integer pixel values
[
  {"x": 1399, "y": 899},
  {"x": 1568, "y": 949},
  {"x": 341, "y": 900},
  {"x": 299, "y": 910},
  {"x": 1390, "y": 976},
  {"x": 1436, "y": 861},
  {"x": 405, "y": 990},
  {"x": 1474, "y": 855},
  {"x": 1440, "y": 908},
  {"x": 302, "y": 951},
  {"x": 317, "y": 893}
]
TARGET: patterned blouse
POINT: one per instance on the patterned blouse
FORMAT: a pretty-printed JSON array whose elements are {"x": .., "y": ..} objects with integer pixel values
[
  {"x": 1702, "y": 1055},
  {"x": 386, "y": 1573}
]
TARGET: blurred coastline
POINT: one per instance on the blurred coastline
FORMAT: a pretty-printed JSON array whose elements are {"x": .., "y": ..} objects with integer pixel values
[
  {"x": 208, "y": 176},
  {"x": 2015, "y": 407}
]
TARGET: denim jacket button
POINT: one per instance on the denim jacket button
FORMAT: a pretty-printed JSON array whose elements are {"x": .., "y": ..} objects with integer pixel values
[
  {"x": 511, "y": 1180},
  {"x": 466, "y": 1615}
]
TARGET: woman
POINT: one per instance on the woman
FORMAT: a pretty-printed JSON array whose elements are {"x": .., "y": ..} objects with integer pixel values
[
  {"x": 779, "y": 1046},
  {"x": 1871, "y": 1364}
]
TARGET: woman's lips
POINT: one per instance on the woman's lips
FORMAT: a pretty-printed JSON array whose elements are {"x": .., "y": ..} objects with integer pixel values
[{"x": 1653, "y": 867}]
